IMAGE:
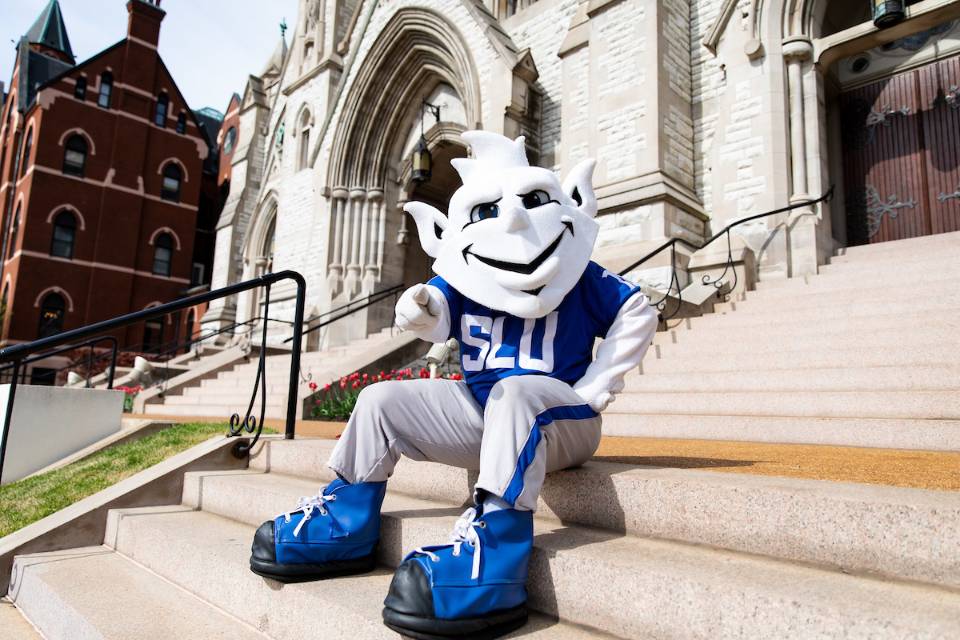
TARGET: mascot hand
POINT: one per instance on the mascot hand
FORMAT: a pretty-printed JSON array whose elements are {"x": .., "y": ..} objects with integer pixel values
[
  {"x": 598, "y": 401},
  {"x": 417, "y": 311}
]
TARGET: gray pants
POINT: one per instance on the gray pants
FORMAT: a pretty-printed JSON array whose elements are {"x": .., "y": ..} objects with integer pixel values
[{"x": 531, "y": 425}]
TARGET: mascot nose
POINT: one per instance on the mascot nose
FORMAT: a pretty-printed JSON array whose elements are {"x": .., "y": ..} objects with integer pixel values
[{"x": 516, "y": 219}]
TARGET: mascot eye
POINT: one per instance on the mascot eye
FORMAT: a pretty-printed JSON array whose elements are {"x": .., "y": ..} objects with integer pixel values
[
  {"x": 535, "y": 199},
  {"x": 484, "y": 211}
]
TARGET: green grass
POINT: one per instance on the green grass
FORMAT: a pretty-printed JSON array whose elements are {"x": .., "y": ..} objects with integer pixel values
[{"x": 36, "y": 497}]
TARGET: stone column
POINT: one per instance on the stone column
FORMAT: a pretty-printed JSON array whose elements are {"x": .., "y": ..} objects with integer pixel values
[
  {"x": 335, "y": 268},
  {"x": 357, "y": 206},
  {"x": 373, "y": 239},
  {"x": 802, "y": 224}
]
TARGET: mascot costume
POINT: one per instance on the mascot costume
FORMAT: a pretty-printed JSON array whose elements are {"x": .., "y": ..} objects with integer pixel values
[{"x": 515, "y": 286}]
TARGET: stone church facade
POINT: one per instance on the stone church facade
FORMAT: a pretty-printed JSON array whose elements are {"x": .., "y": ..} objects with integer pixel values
[{"x": 699, "y": 113}]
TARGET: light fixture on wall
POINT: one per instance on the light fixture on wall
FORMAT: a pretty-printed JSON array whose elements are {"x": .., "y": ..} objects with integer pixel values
[
  {"x": 422, "y": 160},
  {"x": 887, "y": 13}
]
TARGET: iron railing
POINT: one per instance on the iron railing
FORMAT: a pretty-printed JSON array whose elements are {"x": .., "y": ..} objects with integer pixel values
[
  {"x": 352, "y": 307},
  {"x": 250, "y": 424},
  {"x": 71, "y": 347},
  {"x": 729, "y": 266}
]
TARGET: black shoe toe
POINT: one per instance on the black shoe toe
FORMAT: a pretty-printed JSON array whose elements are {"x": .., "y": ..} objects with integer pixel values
[
  {"x": 410, "y": 591},
  {"x": 264, "y": 547}
]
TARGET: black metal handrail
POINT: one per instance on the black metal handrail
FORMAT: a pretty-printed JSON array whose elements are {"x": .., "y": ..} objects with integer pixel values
[
  {"x": 249, "y": 423},
  {"x": 717, "y": 282},
  {"x": 71, "y": 347},
  {"x": 370, "y": 300}
]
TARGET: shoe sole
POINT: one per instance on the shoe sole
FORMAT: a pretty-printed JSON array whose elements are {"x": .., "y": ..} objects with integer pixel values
[
  {"x": 493, "y": 625},
  {"x": 290, "y": 573}
]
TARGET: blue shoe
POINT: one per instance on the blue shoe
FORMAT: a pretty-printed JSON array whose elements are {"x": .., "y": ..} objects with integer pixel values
[
  {"x": 473, "y": 588},
  {"x": 331, "y": 534}
]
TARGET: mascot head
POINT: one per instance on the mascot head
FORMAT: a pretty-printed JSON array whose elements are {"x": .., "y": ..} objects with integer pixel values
[{"x": 515, "y": 239}]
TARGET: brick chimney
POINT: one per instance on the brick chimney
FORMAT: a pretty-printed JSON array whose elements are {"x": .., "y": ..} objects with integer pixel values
[{"x": 144, "y": 20}]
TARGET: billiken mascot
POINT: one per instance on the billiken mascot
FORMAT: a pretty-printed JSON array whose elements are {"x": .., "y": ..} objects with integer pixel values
[{"x": 515, "y": 286}]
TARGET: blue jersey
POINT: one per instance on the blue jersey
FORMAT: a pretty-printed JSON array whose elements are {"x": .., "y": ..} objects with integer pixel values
[{"x": 495, "y": 345}]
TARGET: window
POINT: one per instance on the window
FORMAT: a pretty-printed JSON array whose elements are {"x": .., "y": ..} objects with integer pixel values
[
  {"x": 75, "y": 155},
  {"x": 80, "y": 89},
  {"x": 162, "y": 254},
  {"x": 303, "y": 155},
  {"x": 229, "y": 140},
  {"x": 196, "y": 275},
  {"x": 182, "y": 123},
  {"x": 106, "y": 88},
  {"x": 25, "y": 154},
  {"x": 160, "y": 115},
  {"x": 64, "y": 234},
  {"x": 52, "y": 311},
  {"x": 14, "y": 232},
  {"x": 172, "y": 175}
]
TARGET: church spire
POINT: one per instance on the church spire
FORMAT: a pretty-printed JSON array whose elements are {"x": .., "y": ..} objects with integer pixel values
[{"x": 50, "y": 33}]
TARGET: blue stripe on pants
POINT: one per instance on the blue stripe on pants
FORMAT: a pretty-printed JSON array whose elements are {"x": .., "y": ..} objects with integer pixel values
[{"x": 574, "y": 412}]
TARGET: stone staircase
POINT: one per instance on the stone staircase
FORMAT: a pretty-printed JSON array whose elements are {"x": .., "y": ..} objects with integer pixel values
[
  {"x": 867, "y": 353},
  {"x": 621, "y": 550},
  {"x": 230, "y": 389}
]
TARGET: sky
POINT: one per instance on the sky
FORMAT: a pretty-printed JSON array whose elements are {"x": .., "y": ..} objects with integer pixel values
[{"x": 210, "y": 46}]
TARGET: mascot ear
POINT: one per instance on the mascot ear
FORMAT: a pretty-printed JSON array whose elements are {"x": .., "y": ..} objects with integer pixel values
[
  {"x": 430, "y": 225},
  {"x": 579, "y": 187}
]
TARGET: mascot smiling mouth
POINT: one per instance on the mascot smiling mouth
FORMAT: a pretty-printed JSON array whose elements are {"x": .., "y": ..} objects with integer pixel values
[{"x": 518, "y": 267}]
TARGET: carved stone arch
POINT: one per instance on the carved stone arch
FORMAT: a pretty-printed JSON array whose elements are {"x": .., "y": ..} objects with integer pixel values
[
  {"x": 417, "y": 50},
  {"x": 260, "y": 223},
  {"x": 304, "y": 117}
]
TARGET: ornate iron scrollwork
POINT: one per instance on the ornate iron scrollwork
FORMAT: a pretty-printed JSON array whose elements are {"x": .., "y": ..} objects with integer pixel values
[
  {"x": 883, "y": 117},
  {"x": 872, "y": 207},
  {"x": 250, "y": 423},
  {"x": 943, "y": 197}
]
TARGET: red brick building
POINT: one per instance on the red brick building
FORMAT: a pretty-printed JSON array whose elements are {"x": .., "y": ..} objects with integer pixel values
[{"x": 101, "y": 177}]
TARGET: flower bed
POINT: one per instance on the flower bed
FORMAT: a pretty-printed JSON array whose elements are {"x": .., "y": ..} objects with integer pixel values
[
  {"x": 129, "y": 393},
  {"x": 336, "y": 401}
]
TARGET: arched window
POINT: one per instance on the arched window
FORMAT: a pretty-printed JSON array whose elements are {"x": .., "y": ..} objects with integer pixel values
[
  {"x": 106, "y": 88},
  {"x": 14, "y": 232},
  {"x": 75, "y": 155},
  {"x": 303, "y": 156},
  {"x": 163, "y": 254},
  {"x": 51, "y": 315},
  {"x": 172, "y": 176},
  {"x": 182, "y": 123},
  {"x": 160, "y": 114},
  {"x": 25, "y": 152},
  {"x": 64, "y": 234},
  {"x": 80, "y": 89},
  {"x": 229, "y": 140}
]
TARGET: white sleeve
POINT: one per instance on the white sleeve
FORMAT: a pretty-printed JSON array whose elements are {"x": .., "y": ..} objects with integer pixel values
[{"x": 622, "y": 350}]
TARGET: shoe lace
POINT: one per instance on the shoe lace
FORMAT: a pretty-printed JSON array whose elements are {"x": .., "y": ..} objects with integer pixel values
[
  {"x": 464, "y": 532},
  {"x": 307, "y": 505}
]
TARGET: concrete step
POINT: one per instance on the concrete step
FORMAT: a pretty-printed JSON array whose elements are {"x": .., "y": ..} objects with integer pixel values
[
  {"x": 726, "y": 357},
  {"x": 835, "y": 277},
  {"x": 802, "y": 319},
  {"x": 660, "y": 586},
  {"x": 938, "y": 334},
  {"x": 934, "y": 405},
  {"x": 892, "y": 327},
  {"x": 894, "y": 286},
  {"x": 887, "y": 259},
  {"x": 888, "y": 433},
  {"x": 223, "y": 411},
  {"x": 676, "y": 504},
  {"x": 922, "y": 297},
  {"x": 910, "y": 245},
  {"x": 14, "y": 625},
  {"x": 941, "y": 377},
  {"x": 272, "y": 401},
  {"x": 209, "y": 556},
  {"x": 94, "y": 592},
  {"x": 826, "y": 311}
]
